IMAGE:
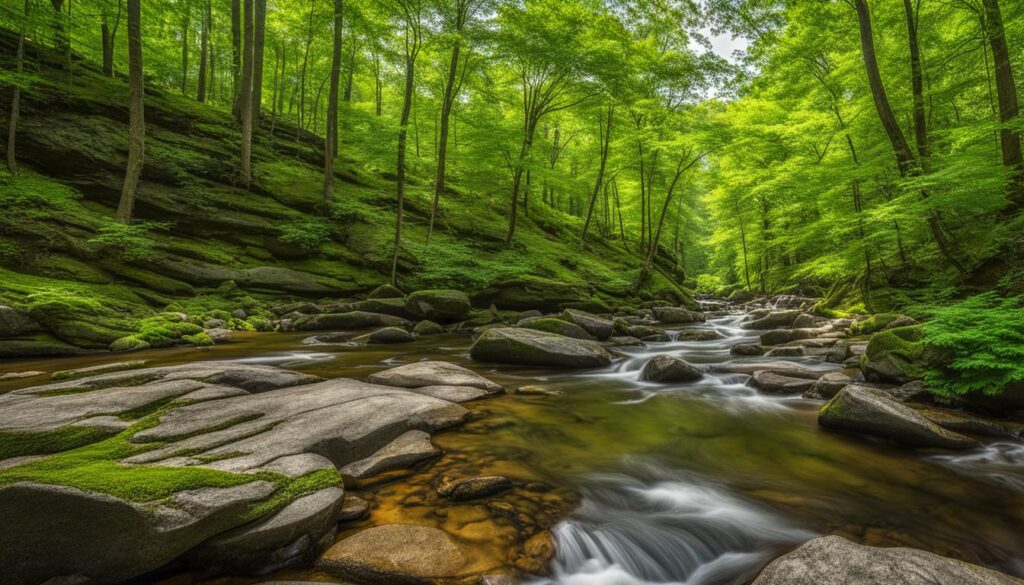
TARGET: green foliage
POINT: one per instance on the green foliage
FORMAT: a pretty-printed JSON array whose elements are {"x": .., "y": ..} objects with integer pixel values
[
  {"x": 873, "y": 324},
  {"x": 982, "y": 338},
  {"x": 198, "y": 340},
  {"x": 307, "y": 234},
  {"x": 708, "y": 284},
  {"x": 131, "y": 242}
]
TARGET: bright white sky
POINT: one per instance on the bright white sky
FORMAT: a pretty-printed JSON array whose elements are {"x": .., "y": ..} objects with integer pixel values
[{"x": 724, "y": 45}]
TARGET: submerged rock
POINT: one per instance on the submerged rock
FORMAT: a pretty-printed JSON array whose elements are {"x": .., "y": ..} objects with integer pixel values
[
  {"x": 870, "y": 411},
  {"x": 427, "y": 327},
  {"x": 835, "y": 560},
  {"x": 536, "y": 348},
  {"x": 473, "y": 487},
  {"x": 665, "y": 368},
  {"x": 829, "y": 385},
  {"x": 746, "y": 349},
  {"x": 773, "y": 320},
  {"x": 395, "y": 554},
  {"x": 699, "y": 335}
]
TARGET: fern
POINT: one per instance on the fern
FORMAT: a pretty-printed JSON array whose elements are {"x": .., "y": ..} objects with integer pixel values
[{"x": 983, "y": 339}]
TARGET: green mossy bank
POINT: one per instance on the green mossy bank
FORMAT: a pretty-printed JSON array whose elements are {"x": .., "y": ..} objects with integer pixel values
[{"x": 202, "y": 244}]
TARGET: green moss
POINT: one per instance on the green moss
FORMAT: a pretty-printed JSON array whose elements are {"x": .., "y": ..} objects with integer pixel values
[
  {"x": 902, "y": 346},
  {"x": 260, "y": 323},
  {"x": 47, "y": 442},
  {"x": 129, "y": 343},
  {"x": 198, "y": 340},
  {"x": 873, "y": 324}
]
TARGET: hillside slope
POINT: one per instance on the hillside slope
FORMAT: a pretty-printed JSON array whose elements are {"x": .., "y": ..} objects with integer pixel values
[{"x": 89, "y": 281}]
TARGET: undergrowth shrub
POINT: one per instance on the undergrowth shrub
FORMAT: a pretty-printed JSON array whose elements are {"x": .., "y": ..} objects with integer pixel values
[
  {"x": 308, "y": 234},
  {"x": 983, "y": 340},
  {"x": 130, "y": 242}
]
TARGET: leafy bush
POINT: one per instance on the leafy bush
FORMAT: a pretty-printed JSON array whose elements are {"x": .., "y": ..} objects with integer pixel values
[
  {"x": 308, "y": 234},
  {"x": 983, "y": 339},
  {"x": 130, "y": 241},
  {"x": 708, "y": 284}
]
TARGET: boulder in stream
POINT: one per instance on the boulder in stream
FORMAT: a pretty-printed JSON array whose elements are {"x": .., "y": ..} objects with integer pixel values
[
  {"x": 666, "y": 368},
  {"x": 536, "y": 348},
  {"x": 432, "y": 373},
  {"x": 834, "y": 560},
  {"x": 870, "y": 411},
  {"x": 596, "y": 326},
  {"x": 349, "y": 320},
  {"x": 771, "y": 383},
  {"x": 675, "y": 315},
  {"x": 386, "y": 335},
  {"x": 552, "y": 325},
  {"x": 443, "y": 306}
]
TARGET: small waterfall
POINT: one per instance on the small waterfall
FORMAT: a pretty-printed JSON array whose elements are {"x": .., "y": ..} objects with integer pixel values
[{"x": 660, "y": 526}]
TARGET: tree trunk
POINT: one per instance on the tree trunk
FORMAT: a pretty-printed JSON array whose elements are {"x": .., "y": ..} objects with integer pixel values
[
  {"x": 655, "y": 241},
  {"x": 275, "y": 89},
  {"x": 917, "y": 85},
  {"x": 136, "y": 114},
  {"x": 204, "y": 54},
  {"x": 184, "y": 52},
  {"x": 330, "y": 140},
  {"x": 245, "y": 99},
  {"x": 442, "y": 145},
  {"x": 1008, "y": 105},
  {"x": 403, "y": 130},
  {"x": 236, "y": 58},
  {"x": 305, "y": 67},
  {"x": 605, "y": 131},
  {"x": 108, "y": 46},
  {"x": 12, "y": 128},
  {"x": 378, "y": 89},
  {"x": 60, "y": 36},
  {"x": 517, "y": 177},
  {"x": 258, "y": 44}
]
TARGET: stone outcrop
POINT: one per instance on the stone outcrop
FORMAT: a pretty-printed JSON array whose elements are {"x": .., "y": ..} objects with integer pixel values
[{"x": 536, "y": 348}]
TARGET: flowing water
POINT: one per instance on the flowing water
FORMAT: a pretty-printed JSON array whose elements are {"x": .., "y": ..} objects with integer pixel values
[{"x": 697, "y": 484}]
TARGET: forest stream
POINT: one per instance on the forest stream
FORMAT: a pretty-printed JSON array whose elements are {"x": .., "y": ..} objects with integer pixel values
[{"x": 643, "y": 483}]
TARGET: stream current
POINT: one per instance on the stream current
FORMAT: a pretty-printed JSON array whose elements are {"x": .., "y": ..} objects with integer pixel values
[{"x": 655, "y": 484}]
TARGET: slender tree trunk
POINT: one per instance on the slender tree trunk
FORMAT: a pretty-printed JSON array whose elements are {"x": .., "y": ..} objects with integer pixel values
[
  {"x": 517, "y": 177},
  {"x": 743, "y": 241},
  {"x": 12, "y": 128},
  {"x": 204, "y": 53},
  {"x": 278, "y": 73},
  {"x": 136, "y": 114},
  {"x": 1006, "y": 88},
  {"x": 330, "y": 140},
  {"x": 236, "y": 58},
  {"x": 442, "y": 144},
  {"x": 378, "y": 86},
  {"x": 305, "y": 67},
  {"x": 108, "y": 47},
  {"x": 245, "y": 99},
  {"x": 186, "y": 23},
  {"x": 350, "y": 71},
  {"x": 655, "y": 242},
  {"x": 618, "y": 209},
  {"x": 605, "y": 131},
  {"x": 917, "y": 84},
  {"x": 403, "y": 131},
  {"x": 258, "y": 45}
]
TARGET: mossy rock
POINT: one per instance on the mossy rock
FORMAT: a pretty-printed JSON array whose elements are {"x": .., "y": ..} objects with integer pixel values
[
  {"x": 86, "y": 334},
  {"x": 879, "y": 322},
  {"x": 529, "y": 292},
  {"x": 385, "y": 291},
  {"x": 897, "y": 355},
  {"x": 261, "y": 323},
  {"x": 129, "y": 343},
  {"x": 198, "y": 340},
  {"x": 558, "y": 326},
  {"x": 438, "y": 305}
]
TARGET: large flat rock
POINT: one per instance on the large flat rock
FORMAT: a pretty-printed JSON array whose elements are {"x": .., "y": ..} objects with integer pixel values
[
  {"x": 835, "y": 560},
  {"x": 432, "y": 373},
  {"x": 536, "y": 348}
]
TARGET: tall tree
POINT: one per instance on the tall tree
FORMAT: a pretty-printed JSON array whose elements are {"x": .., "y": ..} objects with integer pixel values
[
  {"x": 236, "y": 58},
  {"x": 204, "y": 51},
  {"x": 12, "y": 126},
  {"x": 245, "y": 99},
  {"x": 108, "y": 34},
  {"x": 458, "y": 16},
  {"x": 186, "y": 24},
  {"x": 136, "y": 114},
  {"x": 258, "y": 45},
  {"x": 605, "y": 134},
  {"x": 1006, "y": 88},
  {"x": 331, "y": 138},
  {"x": 412, "y": 13}
]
